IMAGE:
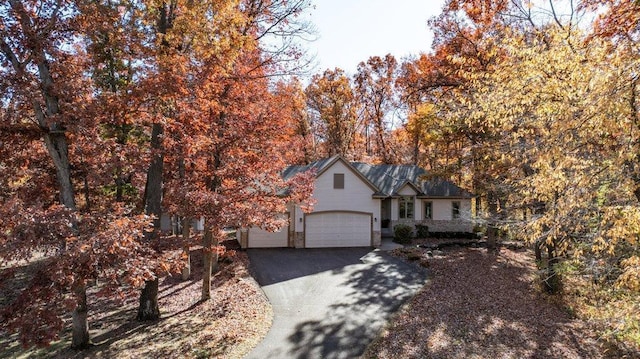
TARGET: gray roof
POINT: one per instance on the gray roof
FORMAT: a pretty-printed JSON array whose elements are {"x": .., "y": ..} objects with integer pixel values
[
  {"x": 389, "y": 179},
  {"x": 318, "y": 166}
]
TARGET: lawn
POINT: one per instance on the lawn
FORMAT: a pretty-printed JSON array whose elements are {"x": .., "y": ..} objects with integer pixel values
[
  {"x": 228, "y": 326},
  {"x": 480, "y": 304}
]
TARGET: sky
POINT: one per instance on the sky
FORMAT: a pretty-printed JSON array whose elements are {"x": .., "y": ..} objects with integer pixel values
[{"x": 350, "y": 31}]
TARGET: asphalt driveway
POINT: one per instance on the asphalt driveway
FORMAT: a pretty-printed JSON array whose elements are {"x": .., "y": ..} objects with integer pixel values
[{"x": 329, "y": 303}]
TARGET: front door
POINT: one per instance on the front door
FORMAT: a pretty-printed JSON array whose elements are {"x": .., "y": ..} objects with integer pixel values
[{"x": 385, "y": 212}]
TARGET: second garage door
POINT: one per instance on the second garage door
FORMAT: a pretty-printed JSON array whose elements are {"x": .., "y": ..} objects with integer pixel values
[
  {"x": 259, "y": 238},
  {"x": 338, "y": 229}
]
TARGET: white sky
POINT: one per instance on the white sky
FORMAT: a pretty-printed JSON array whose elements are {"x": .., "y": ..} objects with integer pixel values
[{"x": 350, "y": 31}]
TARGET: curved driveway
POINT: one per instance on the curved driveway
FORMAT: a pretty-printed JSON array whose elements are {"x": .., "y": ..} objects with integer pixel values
[{"x": 329, "y": 303}]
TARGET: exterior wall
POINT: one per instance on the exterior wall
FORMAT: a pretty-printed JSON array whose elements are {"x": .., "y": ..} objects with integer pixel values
[
  {"x": 406, "y": 190},
  {"x": 442, "y": 220},
  {"x": 298, "y": 240},
  {"x": 198, "y": 225},
  {"x": 242, "y": 236},
  {"x": 298, "y": 220},
  {"x": 377, "y": 239},
  {"x": 166, "y": 222},
  {"x": 170, "y": 223},
  {"x": 248, "y": 237},
  {"x": 355, "y": 196},
  {"x": 459, "y": 225},
  {"x": 442, "y": 208},
  {"x": 417, "y": 209},
  {"x": 394, "y": 211},
  {"x": 395, "y": 208}
]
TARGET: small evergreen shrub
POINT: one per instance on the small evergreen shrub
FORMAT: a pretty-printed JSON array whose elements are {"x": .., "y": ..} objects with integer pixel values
[
  {"x": 402, "y": 233},
  {"x": 422, "y": 231}
]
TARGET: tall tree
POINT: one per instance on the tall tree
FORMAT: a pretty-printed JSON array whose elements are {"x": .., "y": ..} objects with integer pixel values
[
  {"x": 296, "y": 111},
  {"x": 29, "y": 52},
  {"x": 230, "y": 124},
  {"x": 533, "y": 119},
  {"x": 375, "y": 88},
  {"x": 334, "y": 111},
  {"x": 239, "y": 144},
  {"x": 50, "y": 100},
  {"x": 184, "y": 37}
]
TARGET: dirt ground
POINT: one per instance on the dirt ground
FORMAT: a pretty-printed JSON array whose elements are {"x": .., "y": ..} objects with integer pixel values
[
  {"x": 228, "y": 326},
  {"x": 480, "y": 304}
]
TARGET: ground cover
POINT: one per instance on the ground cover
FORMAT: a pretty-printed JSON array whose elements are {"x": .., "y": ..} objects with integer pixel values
[
  {"x": 483, "y": 304},
  {"x": 228, "y": 326}
]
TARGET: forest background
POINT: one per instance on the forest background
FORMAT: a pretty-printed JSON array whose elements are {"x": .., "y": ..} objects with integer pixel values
[{"x": 114, "y": 112}]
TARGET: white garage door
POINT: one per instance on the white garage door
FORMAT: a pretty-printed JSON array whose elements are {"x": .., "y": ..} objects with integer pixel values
[
  {"x": 259, "y": 238},
  {"x": 338, "y": 229}
]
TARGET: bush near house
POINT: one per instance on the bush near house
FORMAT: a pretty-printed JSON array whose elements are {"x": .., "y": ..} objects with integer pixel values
[
  {"x": 402, "y": 233},
  {"x": 453, "y": 235},
  {"x": 422, "y": 231}
]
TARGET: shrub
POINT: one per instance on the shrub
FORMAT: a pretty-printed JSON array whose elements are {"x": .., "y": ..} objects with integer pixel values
[
  {"x": 422, "y": 231},
  {"x": 479, "y": 229},
  {"x": 402, "y": 233},
  {"x": 453, "y": 235}
]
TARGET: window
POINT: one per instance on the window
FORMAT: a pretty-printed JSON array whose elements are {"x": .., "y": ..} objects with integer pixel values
[
  {"x": 428, "y": 210},
  {"x": 455, "y": 209},
  {"x": 405, "y": 210},
  {"x": 338, "y": 180}
]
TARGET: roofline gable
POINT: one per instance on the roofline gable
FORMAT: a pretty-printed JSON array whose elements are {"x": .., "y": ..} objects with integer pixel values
[
  {"x": 408, "y": 183},
  {"x": 380, "y": 178},
  {"x": 358, "y": 174}
]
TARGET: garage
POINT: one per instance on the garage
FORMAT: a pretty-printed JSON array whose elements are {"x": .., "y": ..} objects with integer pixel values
[
  {"x": 338, "y": 229},
  {"x": 259, "y": 238}
]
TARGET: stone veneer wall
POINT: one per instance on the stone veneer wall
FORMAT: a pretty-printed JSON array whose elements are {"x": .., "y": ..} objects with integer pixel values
[
  {"x": 458, "y": 225},
  {"x": 298, "y": 240},
  {"x": 377, "y": 238},
  {"x": 243, "y": 237}
]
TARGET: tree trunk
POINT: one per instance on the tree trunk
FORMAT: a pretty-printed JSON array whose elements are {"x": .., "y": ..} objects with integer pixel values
[
  {"x": 537, "y": 248},
  {"x": 149, "y": 309},
  {"x": 186, "y": 226},
  {"x": 215, "y": 266},
  {"x": 80, "y": 335},
  {"x": 58, "y": 148},
  {"x": 492, "y": 229},
  {"x": 207, "y": 254},
  {"x": 153, "y": 187},
  {"x": 55, "y": 140},
  {"x": 552, "y": 280},
  {"x": 492, "y": 237}
]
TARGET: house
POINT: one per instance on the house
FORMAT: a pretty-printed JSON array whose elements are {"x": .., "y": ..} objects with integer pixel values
[
  {"x": 358, "y": 203},
  {"x": 173, "y": 223}
]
